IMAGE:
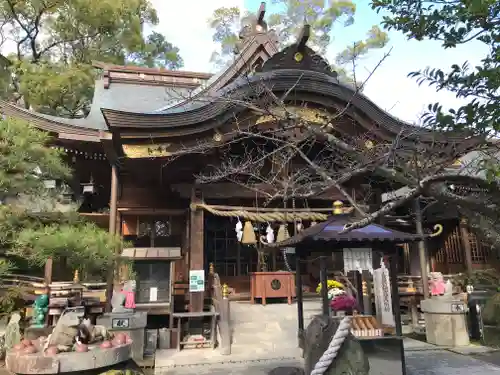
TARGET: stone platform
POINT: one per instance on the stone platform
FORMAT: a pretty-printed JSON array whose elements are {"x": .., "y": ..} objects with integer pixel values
[{"x": 39, "y": 363}]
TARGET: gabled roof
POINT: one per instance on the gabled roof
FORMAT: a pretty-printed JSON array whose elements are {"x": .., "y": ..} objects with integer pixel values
[{"x": 137, "y": 89}]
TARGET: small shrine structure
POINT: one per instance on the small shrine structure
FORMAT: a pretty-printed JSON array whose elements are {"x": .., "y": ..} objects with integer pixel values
[{"x": 370, "y": 245}]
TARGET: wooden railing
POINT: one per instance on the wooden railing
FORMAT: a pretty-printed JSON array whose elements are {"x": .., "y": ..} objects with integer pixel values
[
  {"x": 220, "y": 301},
  {"x": 33, "y": 286}
]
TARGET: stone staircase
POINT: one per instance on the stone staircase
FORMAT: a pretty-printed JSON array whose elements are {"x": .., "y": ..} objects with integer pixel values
[
  {"x": 269, "y": 330},
  {"x": 260, "y": 334}
]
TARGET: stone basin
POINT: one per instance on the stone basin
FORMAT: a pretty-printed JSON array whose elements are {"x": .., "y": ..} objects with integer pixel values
[{"x": 39, "y": 363}]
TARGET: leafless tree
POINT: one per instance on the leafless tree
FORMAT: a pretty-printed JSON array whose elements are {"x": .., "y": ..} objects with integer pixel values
[{"x": 286, "y": 150}]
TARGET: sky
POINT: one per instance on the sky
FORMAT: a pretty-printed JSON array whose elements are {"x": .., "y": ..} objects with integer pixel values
[{"x": 184, "y": 23}]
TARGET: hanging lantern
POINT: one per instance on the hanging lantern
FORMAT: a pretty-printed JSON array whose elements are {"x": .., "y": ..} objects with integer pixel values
[
  {"x": 282, "y": 233},
  {"x": 248, "y": 237}
]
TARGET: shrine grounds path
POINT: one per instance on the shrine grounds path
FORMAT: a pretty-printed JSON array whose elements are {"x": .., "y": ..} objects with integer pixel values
[{"x": 264, "y": 338}]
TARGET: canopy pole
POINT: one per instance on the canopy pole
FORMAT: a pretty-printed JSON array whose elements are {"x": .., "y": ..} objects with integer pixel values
[
  {"x": 324, "y": 286},
  {"x": 299, "y": 300},
  {"x": 422, "y": 249}
]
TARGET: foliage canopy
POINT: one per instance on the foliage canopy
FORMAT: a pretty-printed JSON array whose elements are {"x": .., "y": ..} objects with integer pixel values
[
  {"x": 454, "y": 23},
  {"x": 32, "y": 231},
  {"x": 54, "y": 44}
]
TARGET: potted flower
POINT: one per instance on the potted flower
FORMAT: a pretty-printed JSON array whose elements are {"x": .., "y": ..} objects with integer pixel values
[
  {"x": 334, "y": 288},
  {"x": 344, "y": 303}
]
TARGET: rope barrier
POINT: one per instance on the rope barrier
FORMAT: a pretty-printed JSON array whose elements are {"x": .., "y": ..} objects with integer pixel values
[
  {"x": 334, "y": 347},
  {"x": 264, "y": 217}
]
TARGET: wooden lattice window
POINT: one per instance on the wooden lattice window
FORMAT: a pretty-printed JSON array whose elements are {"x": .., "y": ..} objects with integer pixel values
[
  {"x": 451, "y": 252},
  {"x": 479, "y": 251}
]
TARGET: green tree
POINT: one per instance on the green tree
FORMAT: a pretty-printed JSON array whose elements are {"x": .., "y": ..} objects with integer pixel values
[
  {"x": 322, "y": 15},
  {"x": 32, "y": 225},
  {"x": 55, "y": 42},
  {"x": 454, "y": 23}
]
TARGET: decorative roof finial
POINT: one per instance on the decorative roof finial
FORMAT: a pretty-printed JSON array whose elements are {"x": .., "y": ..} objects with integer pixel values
[
  {"x": 254, "y": 23},
  {"x": 261, "y": 13},
  {"x": 303, "y": 37}
]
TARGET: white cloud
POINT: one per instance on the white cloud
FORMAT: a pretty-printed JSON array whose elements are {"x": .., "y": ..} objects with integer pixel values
[{"x": 185, "y": 24}]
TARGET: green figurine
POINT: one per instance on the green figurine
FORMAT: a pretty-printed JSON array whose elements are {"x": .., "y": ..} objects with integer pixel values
[{"x": 40, "y": 308}]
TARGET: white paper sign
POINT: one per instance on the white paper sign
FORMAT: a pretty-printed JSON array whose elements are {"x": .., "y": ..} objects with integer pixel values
[
  {"x": 197, "y": 281},
  {"x": 153, "y": 294}
]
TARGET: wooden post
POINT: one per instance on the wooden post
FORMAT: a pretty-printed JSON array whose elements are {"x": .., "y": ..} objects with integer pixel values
[
  {"x": 324, "y": 286},
  {"x": 112, "y": 230},
  {"x": 367, "y": 292},
  {"x": 224, "y": 322},
  {"x": 47, "y": 279},
  {"x": 422, "y": 250},
  {"x": 465, "y": 237},
  {"x": 396, "y": 305},
  {"x": 196, "y": 257},
  {"x": 238, "y": 259}
]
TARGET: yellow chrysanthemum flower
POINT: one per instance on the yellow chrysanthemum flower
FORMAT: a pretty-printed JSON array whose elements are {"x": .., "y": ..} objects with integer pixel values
[{"x": 330, "y": 284}]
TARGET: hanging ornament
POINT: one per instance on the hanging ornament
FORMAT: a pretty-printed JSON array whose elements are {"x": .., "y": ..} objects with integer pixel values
[
  {"x": 239, "y": 226},
  {"x": 239, "y": 230},
  {"x": 282, "y": 233},
  {"x": 269, "y": 234},
  {"x": 313, "y": 223},
  {"x": 248, "y": 237},
  {"x": 299, "y": 226}
]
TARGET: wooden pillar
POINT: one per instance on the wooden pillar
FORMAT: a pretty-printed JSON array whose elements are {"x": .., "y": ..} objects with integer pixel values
[
  {"x": 422, "y": 250},
  {"x": 196, "y": 256},
  {"x": 112, "y": 230},
  {"x": 113, "y": 200},
  {"x": 238, "y": 259},
  {"x": 465, "y": 238},
  {"x": 300, "y": 302}
]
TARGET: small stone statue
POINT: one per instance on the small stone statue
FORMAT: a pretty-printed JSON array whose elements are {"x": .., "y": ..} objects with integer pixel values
[
  {"x": 350, "y": 360},
  {"x": 448, "y": 289},
  {"x": 437, "y": 283},
  {"x": 129, "y": 290},
  {"x": 13, "y": 331},
  {"x": 123, "y": 300},
  {"x": 40, "y": 309}
]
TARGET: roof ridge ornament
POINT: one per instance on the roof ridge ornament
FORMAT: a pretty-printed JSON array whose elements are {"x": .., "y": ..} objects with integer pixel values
[
  {"x": 299, "y": 56},
  {"x": 251, "y": 25}
]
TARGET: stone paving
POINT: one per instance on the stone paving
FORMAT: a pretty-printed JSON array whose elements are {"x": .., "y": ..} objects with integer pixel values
[{"x": 265, "y": 338}]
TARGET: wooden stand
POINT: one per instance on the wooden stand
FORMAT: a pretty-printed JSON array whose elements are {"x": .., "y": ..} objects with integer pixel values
[{"x": 272, "y": 285}]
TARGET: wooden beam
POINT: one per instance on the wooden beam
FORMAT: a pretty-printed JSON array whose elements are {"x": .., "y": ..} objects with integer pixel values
[
  {"x": 261, "y": 13},
  {"x": 304, "y": 35}
]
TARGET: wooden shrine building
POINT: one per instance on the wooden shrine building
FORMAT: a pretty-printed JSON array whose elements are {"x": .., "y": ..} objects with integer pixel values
[{"x": 141, "y": 146}]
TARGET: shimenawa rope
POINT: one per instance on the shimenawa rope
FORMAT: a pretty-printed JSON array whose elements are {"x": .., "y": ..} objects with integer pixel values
[
  {"x": 334, "y": 347},
  {"x": 264, "y": 217}
]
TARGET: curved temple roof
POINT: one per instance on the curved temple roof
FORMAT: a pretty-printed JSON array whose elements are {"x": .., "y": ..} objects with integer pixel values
[
  {"x": 138, "y": 105},
  {"x": 331, "y": 231},
  {"x": 319, "y": 85}
]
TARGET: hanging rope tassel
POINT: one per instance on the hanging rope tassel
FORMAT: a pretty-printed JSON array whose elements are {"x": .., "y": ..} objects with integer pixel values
[{"x": 333, "y": 349}]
